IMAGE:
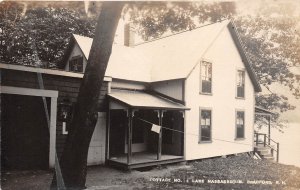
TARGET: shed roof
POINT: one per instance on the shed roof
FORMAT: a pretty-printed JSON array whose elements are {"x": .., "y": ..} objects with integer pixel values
[
  {"x": 259, "y": 110},
  {"x": 167, "y": 58},
  {"x": 140, "y": 99}
]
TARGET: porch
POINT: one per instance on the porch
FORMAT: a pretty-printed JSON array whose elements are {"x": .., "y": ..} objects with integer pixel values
[
  {"x": 265, "y": 146},
  {"x": 143, "y": 159},
  {"x": 144, "y": 130}
]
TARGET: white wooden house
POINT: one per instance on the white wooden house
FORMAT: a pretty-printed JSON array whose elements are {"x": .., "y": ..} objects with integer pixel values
[
  {"x": 198, "y": 85},
  {"x": 205, "y": 75}
]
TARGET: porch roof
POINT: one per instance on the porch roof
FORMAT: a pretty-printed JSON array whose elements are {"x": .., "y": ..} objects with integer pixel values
[
  {"x": 141, "y": 99},
  {"x": 261, "y": 111}
]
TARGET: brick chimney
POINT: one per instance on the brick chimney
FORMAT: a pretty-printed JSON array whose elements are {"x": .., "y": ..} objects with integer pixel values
[{"x": 128, "y": 35}]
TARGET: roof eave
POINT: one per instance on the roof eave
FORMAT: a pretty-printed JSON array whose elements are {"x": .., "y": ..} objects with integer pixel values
[
  {"x": 126, "y": 104},
  {"x": 67, "y": 53},
  {"x": 237, "y": 40},
  {"x": 80, "y": 47}
]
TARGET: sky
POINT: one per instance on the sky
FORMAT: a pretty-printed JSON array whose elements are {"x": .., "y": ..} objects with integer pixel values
[{"x": 252, "y": 7}]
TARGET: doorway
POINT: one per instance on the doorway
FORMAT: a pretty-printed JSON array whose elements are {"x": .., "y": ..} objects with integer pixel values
[{"x": 25, "y": 133}]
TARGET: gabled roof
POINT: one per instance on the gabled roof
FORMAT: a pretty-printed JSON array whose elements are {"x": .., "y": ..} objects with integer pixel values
[
  {"x": 175, "y": 56},
  {"x": 167, "y": 58},
  {"x": 124, "y": 63}
]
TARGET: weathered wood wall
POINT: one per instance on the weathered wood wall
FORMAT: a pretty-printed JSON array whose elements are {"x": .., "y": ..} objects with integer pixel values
[{"x": 68, "y": 87}]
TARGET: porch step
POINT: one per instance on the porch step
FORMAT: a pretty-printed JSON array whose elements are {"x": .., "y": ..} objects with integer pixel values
[
  {"x": 268, "y": 157},
  {"x": 264, "y": 152}
]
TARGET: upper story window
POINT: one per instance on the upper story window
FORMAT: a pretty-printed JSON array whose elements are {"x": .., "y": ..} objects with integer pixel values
[
  {"x": 205, "y": 126},
  {"x": 240, "y": 91},
  {"x": 206, "y": 77},
  {"x": 76, "y": 64},
  {"x": 240, "y": 124}
]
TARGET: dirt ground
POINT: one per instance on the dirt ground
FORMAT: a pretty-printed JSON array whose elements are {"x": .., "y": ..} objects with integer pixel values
[
  {"x": 99, "y": 177},
  {"x": 237, "y": 172}
]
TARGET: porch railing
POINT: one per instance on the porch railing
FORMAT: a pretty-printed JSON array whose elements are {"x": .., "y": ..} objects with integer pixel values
[{"x": 267, "y": 142}]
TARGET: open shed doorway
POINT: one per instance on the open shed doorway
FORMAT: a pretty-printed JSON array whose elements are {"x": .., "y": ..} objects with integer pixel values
[{"x": 25, "y": 133}]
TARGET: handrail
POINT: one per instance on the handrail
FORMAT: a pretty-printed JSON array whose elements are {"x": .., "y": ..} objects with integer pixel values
[
  {"x": 256, "y": 135},
  {"x": 272, "y": 139}
]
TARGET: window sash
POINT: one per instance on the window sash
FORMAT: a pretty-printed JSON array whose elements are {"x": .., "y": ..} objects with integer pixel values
[
  {"x": 205, "y": 133},
  {"x": 240, "y": 124},
  {"x": 205, "y": 126},
  {"x": 206, "y": 77},
  {"x": 76, "y": 64},
  {"x": 240, "y": 84}
]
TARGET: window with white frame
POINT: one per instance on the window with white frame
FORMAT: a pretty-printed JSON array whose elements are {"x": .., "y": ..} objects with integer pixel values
[
  {"x": 240, "y": 91},
  {"x": 206, "y": 77},
  {"x": 240, "y": 124},
  {"x": 205, "y": 125}
]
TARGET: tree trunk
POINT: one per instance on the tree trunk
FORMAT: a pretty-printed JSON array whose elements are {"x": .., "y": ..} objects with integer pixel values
[{"x": 73, "y": 161}]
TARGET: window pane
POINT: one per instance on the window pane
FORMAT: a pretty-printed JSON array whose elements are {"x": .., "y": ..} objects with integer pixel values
[
  {"x": 202, "y": 121},
  {"x": 205, "y": 133},
  {"x": 206, "y": 86},
  {"x": 240, "y": 91},
  {"x": 240, "y": 131}
]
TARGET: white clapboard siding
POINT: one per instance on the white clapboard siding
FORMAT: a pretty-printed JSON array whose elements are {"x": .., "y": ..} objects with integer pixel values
[{"x": 96, "y": 154}]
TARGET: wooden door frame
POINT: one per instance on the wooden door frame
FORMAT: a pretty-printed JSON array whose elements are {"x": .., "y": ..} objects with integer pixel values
[{"x": 53, "y": 94}]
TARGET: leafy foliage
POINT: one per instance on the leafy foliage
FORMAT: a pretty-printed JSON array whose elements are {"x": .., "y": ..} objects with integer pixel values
[
  {"x": 152, "y": 20},
  {"x": 44, "y": 30},
  {"x": 43, "y": 33},
  {"x": 266, "y": 40},
  {"x": 272, "y": 44}
]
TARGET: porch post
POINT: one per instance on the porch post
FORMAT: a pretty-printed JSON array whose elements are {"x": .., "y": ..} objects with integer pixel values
[
  {"x": 160, "y": 117},
  {"x": 129, "y": 136},
  {"x": 183, "y": 135},
  {"x": 52, "y": 146},
  {"x": 108, "y": 134},
  {"x": 269, "y": 129}
]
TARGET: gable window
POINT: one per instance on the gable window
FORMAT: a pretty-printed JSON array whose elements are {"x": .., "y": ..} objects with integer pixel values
[
  {"x": 76, "y": 64},
  {"x": 206, "y": 77},
  {"x": 205, "y": 126},
  {"x": 240, "y": 124},
  {"x": 240, "y": 84}
]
